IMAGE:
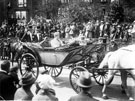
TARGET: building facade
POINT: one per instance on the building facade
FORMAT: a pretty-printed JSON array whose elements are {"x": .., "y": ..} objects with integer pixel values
[{"x": 23, "y": 10}]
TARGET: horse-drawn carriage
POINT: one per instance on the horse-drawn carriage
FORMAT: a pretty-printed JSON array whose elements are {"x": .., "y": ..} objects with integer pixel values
[
  {"x": 32, "y": 56},
  {"x": 89, "y": 57},
  {"x": 82, "y": 58},
  {"x": 54, "y": 59}
]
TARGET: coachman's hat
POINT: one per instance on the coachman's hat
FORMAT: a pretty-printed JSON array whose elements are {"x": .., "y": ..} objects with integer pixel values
[
  {"x": 27, "y": 79},
  {"x": 84, "y": 80}
]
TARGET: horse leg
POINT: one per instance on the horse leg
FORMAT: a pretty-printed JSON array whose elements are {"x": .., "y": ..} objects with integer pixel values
[
  {"x": 132, "y": 73},
  {"x": 110, "y": 76},
  {"x": 124, "y": 80},
  {"x": 124, "y": 84}
]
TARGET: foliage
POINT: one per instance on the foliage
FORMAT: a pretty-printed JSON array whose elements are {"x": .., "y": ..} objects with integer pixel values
[
  {"x": 81, "y": 12},
  {"x": 78, "y": 12},
  {"x": 50, "y": 9},
  {"x": 116, "y": 13}
]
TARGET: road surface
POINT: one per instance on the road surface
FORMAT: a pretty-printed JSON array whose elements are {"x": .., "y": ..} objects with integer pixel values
[{"x": 64, "y": 90}]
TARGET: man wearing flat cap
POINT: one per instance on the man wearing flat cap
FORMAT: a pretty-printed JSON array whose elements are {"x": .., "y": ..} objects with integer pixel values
[{"x": 85, "y": 83}]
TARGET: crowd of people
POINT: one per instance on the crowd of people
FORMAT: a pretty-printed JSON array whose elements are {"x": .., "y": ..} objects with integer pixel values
[
  {"x": 15, "y": 88},
  {"x": 38, "y": 28}
]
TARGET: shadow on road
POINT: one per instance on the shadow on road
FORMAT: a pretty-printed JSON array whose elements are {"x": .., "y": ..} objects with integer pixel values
[
  {"x": 113, "y": 90},
  {"x": 63, "y": 82}
]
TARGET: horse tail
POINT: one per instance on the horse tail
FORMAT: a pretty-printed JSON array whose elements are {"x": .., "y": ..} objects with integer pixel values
[{"x": 104, "y": 62}]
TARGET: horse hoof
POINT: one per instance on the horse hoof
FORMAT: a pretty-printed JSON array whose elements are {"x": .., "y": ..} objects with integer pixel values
[
  {"x": 131, "y": 99},
  {"x": 122, "y": 90},
  {"x": 105, "y": 97}
]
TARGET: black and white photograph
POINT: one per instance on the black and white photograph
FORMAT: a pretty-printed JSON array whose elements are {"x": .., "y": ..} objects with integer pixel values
[{"x": 67, "y": 50}]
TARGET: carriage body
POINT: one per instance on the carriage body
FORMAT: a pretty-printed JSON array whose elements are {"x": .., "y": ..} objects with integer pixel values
[
  {"x": 53, "y": 56},
  {"x": 56, "y": 58}
]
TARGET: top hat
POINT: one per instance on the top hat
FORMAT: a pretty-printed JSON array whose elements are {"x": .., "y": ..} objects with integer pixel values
[
  {"x": 84, "y": 80},
  {"x": 27, "y": 79},
  {"x": 30, "y": 26}
]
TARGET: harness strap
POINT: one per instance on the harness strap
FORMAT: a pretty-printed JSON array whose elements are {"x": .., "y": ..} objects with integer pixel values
[{"x": 128, "y": 50}]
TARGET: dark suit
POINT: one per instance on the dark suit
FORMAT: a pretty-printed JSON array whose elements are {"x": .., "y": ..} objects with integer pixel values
[
  {"x": 7, "y": 88},
  {"x": 82, "y": 97}
]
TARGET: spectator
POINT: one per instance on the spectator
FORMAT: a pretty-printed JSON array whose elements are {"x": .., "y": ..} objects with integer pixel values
[
  {"x": 24, "y": 93},
  {"x": 85, "y": 83},
  {"x": 67, "y": 30},
  {"x": 45, "y": 89},
  {"x": 7, "y": 88},
  {"x": 13, "y": 73}
]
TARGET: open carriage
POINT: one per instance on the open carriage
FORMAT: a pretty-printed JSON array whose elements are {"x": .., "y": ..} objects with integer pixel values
[
  {"x": 35, "y": 56},
  {"x": 54, "y": 59},
  {"x": 80, "y": 58}
]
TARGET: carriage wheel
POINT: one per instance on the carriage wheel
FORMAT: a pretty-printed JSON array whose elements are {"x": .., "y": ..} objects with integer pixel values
[
  {"x": 54, "y": 71},
  {"x": 28, "y": 63},
  {"x": 100, "y": 76},
  {"x": 74, "y": 75}
]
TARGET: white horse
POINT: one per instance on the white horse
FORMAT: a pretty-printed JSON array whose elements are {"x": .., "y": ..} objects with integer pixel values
[{"x": 122, "y": 60}]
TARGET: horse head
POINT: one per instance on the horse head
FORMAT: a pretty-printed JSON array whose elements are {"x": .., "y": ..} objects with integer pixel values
[{"x": 16, "y": 46}]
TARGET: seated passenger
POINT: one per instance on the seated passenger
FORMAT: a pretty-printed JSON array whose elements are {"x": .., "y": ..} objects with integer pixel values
[
  {"x": 45, "y": 42},
  {"x": 56, "y": 41}
]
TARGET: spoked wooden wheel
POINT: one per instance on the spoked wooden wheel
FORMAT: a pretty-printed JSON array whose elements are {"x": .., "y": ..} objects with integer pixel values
[
  {"x": 54, "y": 71},
  {"x": 28, "y": 63},
  {"x": 100, "y": 76},
  {"x": 74, "y": 75}
]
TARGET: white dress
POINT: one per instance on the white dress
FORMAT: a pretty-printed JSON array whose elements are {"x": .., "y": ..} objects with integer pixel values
[{"x": 56, "y": 43}]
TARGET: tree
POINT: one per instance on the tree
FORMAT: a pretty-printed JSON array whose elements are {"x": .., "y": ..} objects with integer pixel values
[
  {"x": 116, "y": 13},
  {"x": 49, "y": 8},
  {"x": 77, "y": 11}
]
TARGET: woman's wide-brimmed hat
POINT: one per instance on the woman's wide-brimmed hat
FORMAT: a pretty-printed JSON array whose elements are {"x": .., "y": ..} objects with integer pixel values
[
  {"x": 84, "y": 80},
  {"x": 27, "y": 79},
  {"x": 45, "y": 81}
]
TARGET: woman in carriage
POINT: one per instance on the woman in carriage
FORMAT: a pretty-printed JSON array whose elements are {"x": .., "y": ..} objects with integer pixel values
[{"x": 56, "y": 41}]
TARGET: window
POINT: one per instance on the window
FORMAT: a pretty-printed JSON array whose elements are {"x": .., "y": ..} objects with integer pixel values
[
  {"x": 21, "y": 15},
  {"x": 88, "y": 1},
  {"x": 22, "y": 3},
  {"x": 103, "y": 0},
  {"x": 65, "y": 1}
]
